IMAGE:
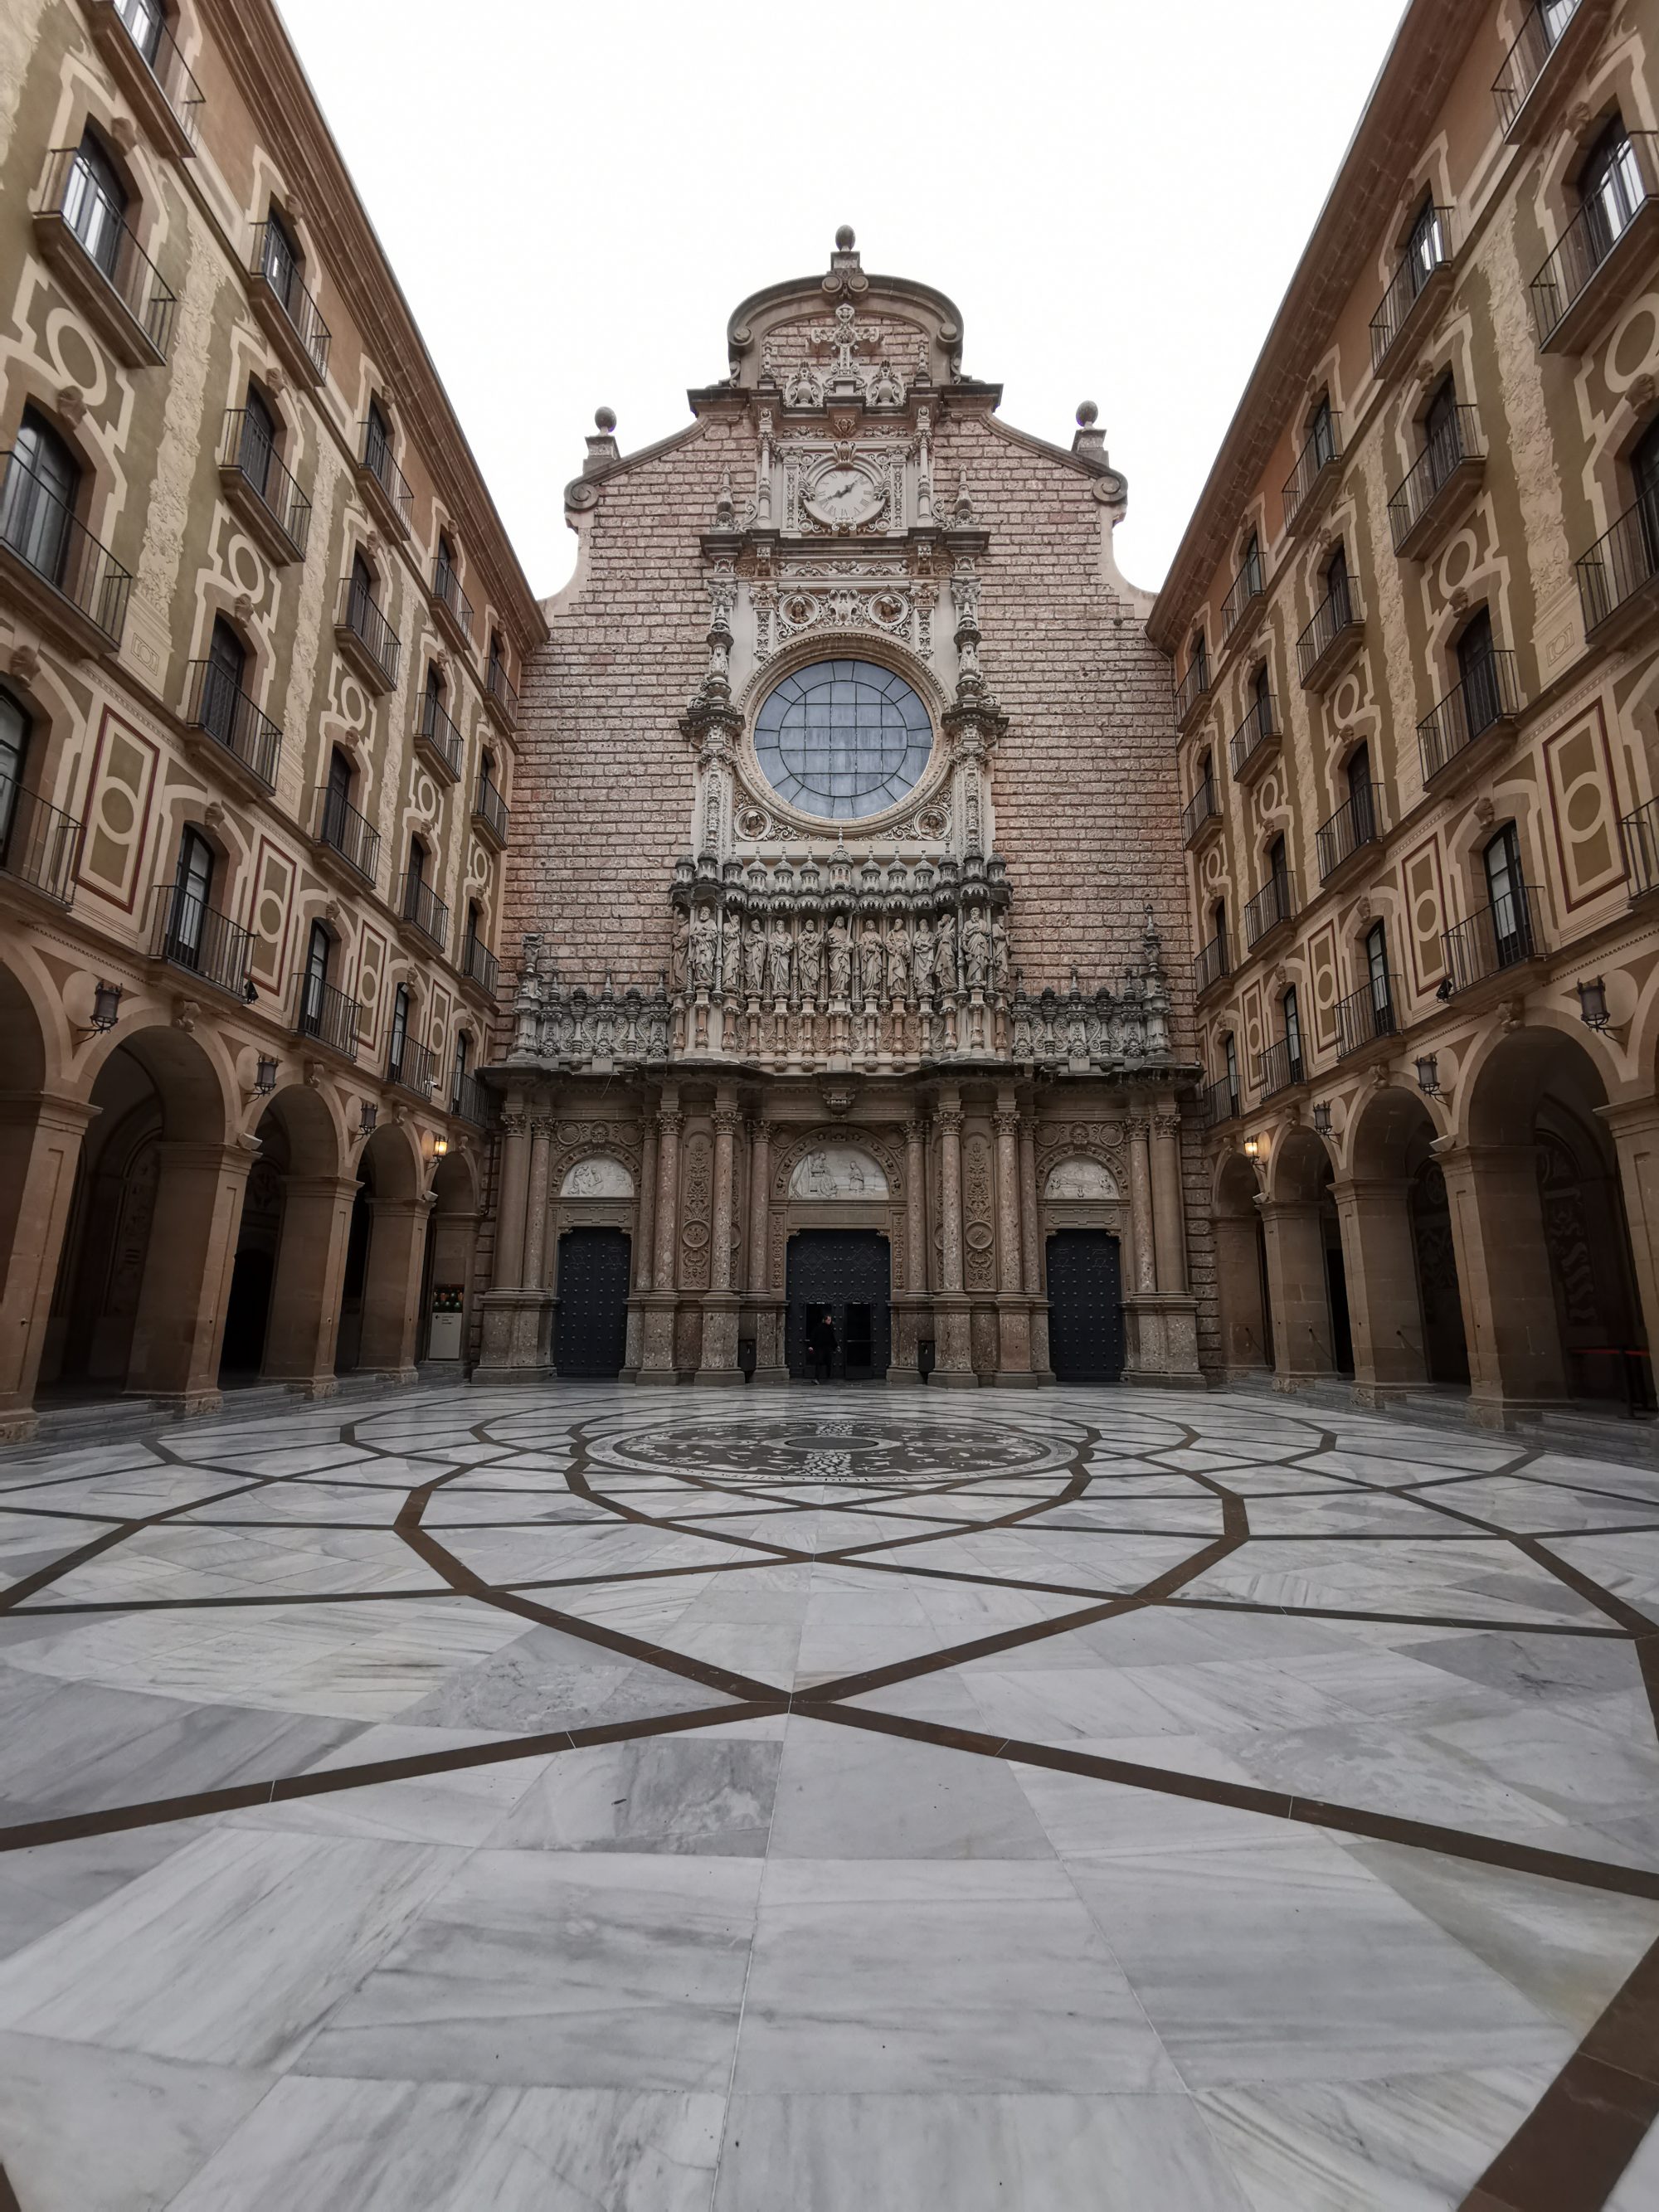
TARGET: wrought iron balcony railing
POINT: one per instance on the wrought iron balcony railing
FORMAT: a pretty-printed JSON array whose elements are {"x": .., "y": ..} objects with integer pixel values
[
  {"x": 272, "y": 263},
  {"x": 143, "y": 26},
  {"x": 470, "y": 1101},
  {"x": 498, "y": 687},
  {"x": 1369, "y": 1015},
  {"x": 1202, "y": 807},
  {"x": 1620, "y": 569},
  {"x": 1488, "y": 697},
  {"x": 1639, "y": 833},
  {"x": 479, "y": 965},
  {"x": 422, "y": 909},
  {"x": 434, "y": 727},
  {"x": 489, "y": 808},
  {"x": 1587, "y": 246},
  {"x": 1429, "y": 252},
  {"x": 1212, "y": 964},
  {"x": 1338, "y": 617},
  {"x": 215, "y": 702},
  {"x": 1541, "y": 32},
  {"x": 40, "y": 844},
  {"x": 1353, "y": 826},
  {"x": 1260, "y": 727},
  {"x": 246, "y": 452},
  {"x": 345, "y": 831},
  {"x": 1275, "y": 902},
  {"x": 39, "y": 529},
  {"x": 360, "y": 614},
  {"x": 1194, "y": 687},
  {"x": 447, "y": 591},
  {"x": 410, "y": 1065},
  {"x": 331, "y": 1016},
  {"x": 1315, "y": 468},
  {"x": 1220, "y": 1103},
  {"x": 1280, "y": 1067},
  {"x": 187, "y": 933},
  {"x": 1455, "y": 444},
  {"x": 107, "y": 249},
  {"x": 374, "y": 458},
  {"x": 1249, "y": 587},
  {"x": 1502, "y": 934}
]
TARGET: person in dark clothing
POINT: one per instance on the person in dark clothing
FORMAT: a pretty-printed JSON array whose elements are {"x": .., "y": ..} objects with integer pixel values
[{"x": 821, "y": 1344}]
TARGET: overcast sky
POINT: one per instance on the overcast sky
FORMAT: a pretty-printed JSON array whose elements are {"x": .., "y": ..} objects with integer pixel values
[{"x": 1114, "y": 193}]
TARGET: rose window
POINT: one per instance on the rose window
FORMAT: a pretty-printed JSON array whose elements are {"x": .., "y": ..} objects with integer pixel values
[{"x": 843, "y": 739}]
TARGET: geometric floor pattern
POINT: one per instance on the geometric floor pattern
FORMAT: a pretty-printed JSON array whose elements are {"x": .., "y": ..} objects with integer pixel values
[{"x": 827, "y": 1801}]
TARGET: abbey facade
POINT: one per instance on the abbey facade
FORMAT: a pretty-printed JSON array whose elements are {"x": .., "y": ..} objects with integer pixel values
[{"x": 850, "y": 894}]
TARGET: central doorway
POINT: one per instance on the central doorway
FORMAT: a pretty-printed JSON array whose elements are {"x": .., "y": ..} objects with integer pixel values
[
  {"x": 590, "y": 1337},
  {"x": 847, "y": 1271},
  {"x": 1085, "y": 1306}
]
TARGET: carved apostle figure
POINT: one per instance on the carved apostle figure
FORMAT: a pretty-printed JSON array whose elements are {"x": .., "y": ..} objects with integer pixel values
[
  {"x": 679, "y": 954},
  {"x": 898, "y": 961},
  {"x": 976, "y": 948},
  {"x": 754, "y": 959},
  {"x": 779, "y": 959},
  {"x": 1000, "y": 971},
  {"x": 841, "y": 960},
  {"x": 702, "y": 950},
  {"x": 871, "y": 962},
  {"x": 922, "y": 955},
  {"x": 945, "y": 953},
  {"x": 809, "y": 961}
]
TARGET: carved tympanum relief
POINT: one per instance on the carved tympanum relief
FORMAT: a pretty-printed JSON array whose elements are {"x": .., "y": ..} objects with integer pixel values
[{"x": 833, "y": 1171}]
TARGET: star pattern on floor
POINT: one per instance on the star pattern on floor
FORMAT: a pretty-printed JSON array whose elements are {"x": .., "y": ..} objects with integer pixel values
[{"x": 827, "y": 1798}]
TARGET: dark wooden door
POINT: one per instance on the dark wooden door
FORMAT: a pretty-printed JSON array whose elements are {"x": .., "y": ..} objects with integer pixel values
[
  {"x": 1085, "y": 1306},
  {"x": 591, "y": 1337},
  {"x": 847, "y": 1270}
]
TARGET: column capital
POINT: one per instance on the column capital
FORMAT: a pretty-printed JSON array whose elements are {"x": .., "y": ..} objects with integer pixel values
[
  {"x": 514, "y": 1125},
  {"x": 1166, "y": 1124},
  {"x": 915, "y": 1130},
  {"x": 670, "y": 1120},
  {"x": 948, "y": 1121},
  {"x": 726, "y": 1120},
  {"x": 1005, "y": 1122}
]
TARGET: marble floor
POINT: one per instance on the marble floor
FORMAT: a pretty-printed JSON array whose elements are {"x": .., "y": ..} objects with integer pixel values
[{"x": 826, "y": 1801}]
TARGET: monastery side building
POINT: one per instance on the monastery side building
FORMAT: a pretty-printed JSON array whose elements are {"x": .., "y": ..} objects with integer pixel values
[
  {"x": 260, "y": 631},
  {"x": 1415, "y": 622},
  {"x": 855, "y": 973}
]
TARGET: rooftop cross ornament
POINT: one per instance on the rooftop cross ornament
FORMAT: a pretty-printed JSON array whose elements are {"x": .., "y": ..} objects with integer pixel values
[{"x": 844, "y": 336}]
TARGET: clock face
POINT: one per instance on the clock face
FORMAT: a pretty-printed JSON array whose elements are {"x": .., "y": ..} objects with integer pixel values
[{"x": 842, "y": 495}]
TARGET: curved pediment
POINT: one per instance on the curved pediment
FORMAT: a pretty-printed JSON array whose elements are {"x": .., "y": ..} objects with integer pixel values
[
  {"x": 597, "y": 1177},
  {"x": 838, "y": 1171},
  {"x": 1078, "y": 1177}
]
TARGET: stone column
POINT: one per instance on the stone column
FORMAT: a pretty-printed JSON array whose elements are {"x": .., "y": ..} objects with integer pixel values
[
  {"x": 1013, "y": 1315},
  {"x": 302, "y": 1332},
  {"x": 1385, "y": 1307},
  {"x": 1030, "y": 1223},
  {"x": 1169, "y": 1215},
  {"x": 657, "y": 1349},
  {"x": 510, "y": 1220},
  {"x": 911, "y": 1310},
  {"x": 644, "y": 1256},
  {"x": 391, "y": 1286},
  {"x": 765, "y": 1316},
  {"x": 1636, "y": 1137},
  {"x": 955, "y": 1368},
  {"x": 1303, "y": 1349},
  {"x": 39, "y": 1146},
  {"x": 1140, "y": 1207},
  {"x": 186, "y": 1281},
  {"x": 503, "y": 1357},
  {"x": 532, "y": 1345},
  {"x": 1504, "y": 1277},
  {"x": 718, "y": 1363}
]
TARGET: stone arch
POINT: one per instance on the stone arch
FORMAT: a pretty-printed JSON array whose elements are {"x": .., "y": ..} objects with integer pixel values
[
  {"x": 1306, "y": 1275},
  {"x": 888, "y": 1155},
  {"x": 42, "y": 1126},
  {"x": 841, "y": 1170},
  {"x": 386, "y": 1254},
  {"x": 452, "y": 1238},
  {"x": 598, "y": 1175},
  {"x": 1087, "y": 1171},
  {"x": 1409, "y": 1326},
  {"x": 1247, "y": 1343},
  {"x": 282, "y": 1315}
]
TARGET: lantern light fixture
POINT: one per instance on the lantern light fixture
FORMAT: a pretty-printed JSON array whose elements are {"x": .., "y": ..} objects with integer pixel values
[
  {"x": 1321, "y": 1118},
  {"x": 1428, "y": 1075},
  {"x": 1593, "y": 1004},
  {"x": 1252, "y": 1148},
  {"x": 367, "y": 1115},
  {"x": 105, "y": 1006},
  {"x": 440, "y": 1147},
  {"x": 264, "y": 1075}
]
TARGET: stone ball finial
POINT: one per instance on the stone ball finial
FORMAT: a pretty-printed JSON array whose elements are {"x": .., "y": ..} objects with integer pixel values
[
  {"x": 605, "y": 418},
  {"x": 1087, "y": 414},
  {"x": 844, "y": 239}
]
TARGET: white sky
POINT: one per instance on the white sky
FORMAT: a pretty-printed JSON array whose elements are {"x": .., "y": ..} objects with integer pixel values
[{"x": 1114, "y": 193}]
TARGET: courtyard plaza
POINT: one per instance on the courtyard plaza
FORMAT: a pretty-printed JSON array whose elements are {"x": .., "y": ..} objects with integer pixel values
[{"x": 796, "y": 1801}]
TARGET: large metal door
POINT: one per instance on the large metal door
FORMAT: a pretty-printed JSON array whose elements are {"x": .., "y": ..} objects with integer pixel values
[
  {"x": 591, "y": 1337},
  {"x": 1085, "y": 1306},
  {"x": 847, "y": 1270}
]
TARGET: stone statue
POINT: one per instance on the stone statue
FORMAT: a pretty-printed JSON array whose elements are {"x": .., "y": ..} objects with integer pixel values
[
  {"x": 679, "y": 954},
  {"x": 898, "y": 961},
  {"x": 702, "y": 950},
  {"x": 871, "y": 961},
  {"x": 1000, "y": 971},
  {"x": 841, "y": 960},
  {"x": 976, "y": 948},
  {"x": 945, "y": 953},
  {"x": 754, "y": 959},
  {"x": 922, "y": 954},
  {"x": 779, "y": 959},
  {"x": 809, "y": 961}
]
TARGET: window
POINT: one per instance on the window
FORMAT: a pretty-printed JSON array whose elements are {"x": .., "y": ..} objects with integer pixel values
[
  {"x": 433, "y": 714},
  {"x": 463, "y": 1053},
  {"x": 1206, "y": 778},
  {"x": 1477, "y": 670},
  {"x": 487, "y": 769},
  {"x": 1362, "y": 797},
  {"x": 96, "y": 205},
  {"x": 192, "y": 887},
  {"x": 1250, "y": 566},
  {"x": 15, "y": 730},
  {"x": 1231, "y": 1049},
  {"x": 1322, "y": 434},
  {"x": 222, "y": 687},
  {"x": 1425, "y": 248},
  {"x": 1293, "y": 1034},
  {"x": 1554, "y": 16},
  {"x": 339, "y": 775},
  {"x": 1502, "y": 862},
  {"x": 1336, "y": 585},
  {"x": 474, "y": 916},
  {"x": 1198, "y": 663},
  {"x": 1377, "y": 973},
  {"x": 1610, "y": 188},
  {"x": 258, "y": 445},
  {"x": 319, "y": 955},
  {"x": 336, "y": 799},
  {"x": 416, "y": 863},
  {"x": 447, "y": 579},
  {"x": 362, "y": 589},
  {"x": 1442, "y": 439},
  {"x": 843, "y": 739},
  {"x": 376, "y": 442},
  {"x": 1277, "y": 866},
  {"x": 1262, "y": 701},
  {"x": 145, "y": 20},
  {"x": 283, "y": 260},
  {"x": 399, "y": 1030},
  {"x": 497, "y": 658},
  {"x": 41, "y": 484},
  {"x": 1644, "y": 469}
]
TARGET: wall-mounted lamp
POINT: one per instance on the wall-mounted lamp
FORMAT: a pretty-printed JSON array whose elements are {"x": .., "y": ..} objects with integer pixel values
[
  {"x": 367, "y": 1115},
  {"x": 105, "y": 1006},
  {"x": 1321, "y": 1118},
  {"x": 1252, "y": 1148},
  {"x": 1593, "y": 1004},
  {"x": 265, "y": 1076},
  {"x": 250, "y": 991},
  {"x": 1428, "y": 1075},
  {"x": 440, "y": 1147}
]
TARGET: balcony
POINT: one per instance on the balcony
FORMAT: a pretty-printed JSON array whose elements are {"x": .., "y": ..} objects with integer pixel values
[
  {"x": 470, "y": 1101},
  {"x": 451, "y": 607},
  {"x": 1502, "y": 935},
  {"x": 1273, "y": 907},
  {"x": 327, "y": 1016},
  {"x": 409, "y": 1066},
  {"x": 1369, "y": 1016},
  {"x": 479, "y": 966},
  {"x": 105, "y": 270},
  {"x": 1601, "y": 251},
  {"x": 365, "y": 637},
  {"x": 424, "y": 911},
  {"x": 342, "y": 829},
  {"x": 1244, "y": 601},
  {"x": 1211, "y": 965},
  {"x": 1314, "y": 476},
  {"x": 381, "y": 481},
  {"x": 1279, "y": 1068},
  {"x": 1419, "y": 285},
  {"x": 1436, "y": 493},
  {"x": 1346, "y": 834},
  {"x": 1618, "y": 577},
  {"x": 1218, "y": 1103},
  {"x": 490, "y": 813},
  {"x": 1191, "y": 692},
  {"x": 1555, "y": 38},
  {"x": 40, "y": 845},
  {"x": 146, "y": 63},
  {"x": 1638, "y": 833},
  {"x": 289, "y": 315},
  {"x": 1485, "y": 704},
  {"x": 500, "y": 696},
  {"x": 75, "y": 585},
  {"x": 187, "y": 934},
  {"x": 261, "y": 491},
  {"x": 1331, "y": 639},
  {"x": 1201, "y": 811},
  {"x": 438, "y": 740},
  {"x": 1256, "y": 740},
  {"x": 215, "y": 705}
]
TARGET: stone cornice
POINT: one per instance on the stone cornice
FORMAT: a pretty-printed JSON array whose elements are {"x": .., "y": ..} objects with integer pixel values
[
  {"x": 1416, "y": 76},
  {"x": 249, "y": 34}
]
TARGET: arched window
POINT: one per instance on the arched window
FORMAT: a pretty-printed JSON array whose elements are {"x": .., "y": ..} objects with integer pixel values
[
  {"x": 497, "y": 657},
  {"x": 446, "y": 578},
  {"x": 462, "y": 1058},
  {"x": 1230, "y": 1053},
  {"x": 1293, "y": 1034},
  {"x": 222, "y": 682},
  {"x": 1425, "y": 248},
  {"x": 95, "y": 203},
  {"x": 1198, "y": 663},
  {"x": 1477, "y": 672},
  {"x": 1362, "y": 795},
  {"x": 1322, "y": 433},
  {"x": 399, "y": 1031},
  {"x": 1262, "y": 701},
  {"x": 313, "y": 1004},
  {"x": 42, "y": 483},
  {"x": 16, "y": 728},
  {"x": 1279, "y": 864},
  {"x": 1336, "y": 584},
  {"x": 1501, "y": 860},
  {"x": 257, "y": 449},
  {"x": 283, "y": 260},
  {"x": 1250, "y": 567},
  {"x": 1442, "y": 439},
  {"x": 192, "y": 892},
  {"x": 1219, "y": 922},
  {"x": 433, "y": 713},
  {"x": 1610, "y": 188},
  {"x": 1206, "y": 778},
  {"x": 377, "y": 441},
  {"x": 1381, "y": 983},
  {"x": 362, "y": 590},
  {"x": 1644, "y": 471},
  {"x": 146, "y": 19}
]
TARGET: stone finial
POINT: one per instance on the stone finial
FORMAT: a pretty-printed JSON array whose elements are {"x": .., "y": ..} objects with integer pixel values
[
  {"x": 602, "y": 448},
  {"x": 604, "y": 419},
  {"x": 845, "y": 238},
  {"x": 1087, "y": 414}
]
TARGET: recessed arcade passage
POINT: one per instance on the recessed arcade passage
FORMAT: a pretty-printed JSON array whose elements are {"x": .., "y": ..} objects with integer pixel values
[{"x": 736, "y": 1800}]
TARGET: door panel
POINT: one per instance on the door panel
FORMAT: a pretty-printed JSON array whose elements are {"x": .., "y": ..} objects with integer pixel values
[
  {"x": 1085, "y": 1306},
  {"x": 847, "y": 1270},
  {"x": 591, "y": 1337}
]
